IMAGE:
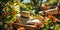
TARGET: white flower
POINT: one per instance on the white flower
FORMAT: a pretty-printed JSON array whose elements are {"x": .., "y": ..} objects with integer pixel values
[{"x": 51, "y": 27}]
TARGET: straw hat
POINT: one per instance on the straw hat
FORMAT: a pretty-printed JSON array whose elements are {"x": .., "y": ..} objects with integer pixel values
[{"x": 25, "y": 14}]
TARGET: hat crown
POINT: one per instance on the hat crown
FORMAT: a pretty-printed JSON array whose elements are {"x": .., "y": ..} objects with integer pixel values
[{"x": 25, "y": 13}]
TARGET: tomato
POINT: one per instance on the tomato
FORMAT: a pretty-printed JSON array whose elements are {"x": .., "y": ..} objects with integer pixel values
[
  {"x": 50, "y": 16},
  {"x": 21, "y": 28},
  {"x": 36, "y": 25},
  {"x": 39, "y": 24}
]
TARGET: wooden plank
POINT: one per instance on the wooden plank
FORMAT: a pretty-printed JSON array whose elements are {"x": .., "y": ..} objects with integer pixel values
[
  {"x": 27, "y": 27},
  {"x": 50, "y": 11}
]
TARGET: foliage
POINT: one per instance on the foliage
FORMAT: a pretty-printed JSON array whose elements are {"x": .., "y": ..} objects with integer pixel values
[
  {"x": 49, "y": 24},
  {"x": 8, "y": 11},
  {"x": 51, "y": 2}
]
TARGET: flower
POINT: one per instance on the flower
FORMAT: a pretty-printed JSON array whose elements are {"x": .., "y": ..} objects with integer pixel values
[
  {"x": 43, "y": 22},
  {"x": 34, "y": 17},
  {"x": 50, "y": 16},
  {"x": 10, "y": 24},
  {"x": 14, "y": 12},
  {"x": 41, "y": 18}
]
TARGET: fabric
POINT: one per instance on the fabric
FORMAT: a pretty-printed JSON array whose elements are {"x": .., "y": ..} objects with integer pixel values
[{"x": 35, "y": 21}]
